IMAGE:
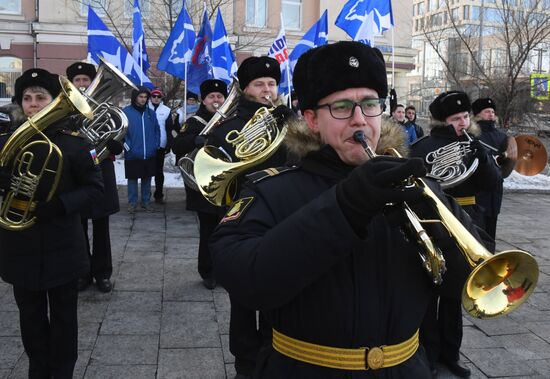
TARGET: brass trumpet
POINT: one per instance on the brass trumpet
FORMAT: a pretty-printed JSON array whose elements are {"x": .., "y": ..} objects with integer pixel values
[{"x": 498, "y": 283}]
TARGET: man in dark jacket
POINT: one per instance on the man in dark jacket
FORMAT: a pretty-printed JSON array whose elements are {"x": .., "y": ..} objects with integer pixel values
[
  {"x": 44, "y": 261},
  {"x": 101, "y": 262},
  {"x": 140, "y": 148},
  {"x": 213, "y": 94},
  {"x": 484, "y": 114},
  {"x": 314, "y": 247},
  {"x": 410, "y": 114},
  {"x": 441, "y": 333},
  {"x": 258, "y": 79}
]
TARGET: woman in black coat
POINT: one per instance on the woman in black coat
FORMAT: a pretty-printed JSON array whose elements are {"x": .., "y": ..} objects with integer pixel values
[{"x": 44, "y": 261}]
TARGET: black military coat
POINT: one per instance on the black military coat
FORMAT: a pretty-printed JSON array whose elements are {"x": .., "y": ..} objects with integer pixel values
[
  {"x": 53, "y": 253},
  {"x": 109, "y": 203},
  {"x": 485, "y": 178},
  {"x": 183, "y": 144},
  {"x": 492, "y": 200},
  {"x": 287, "y": 249}
]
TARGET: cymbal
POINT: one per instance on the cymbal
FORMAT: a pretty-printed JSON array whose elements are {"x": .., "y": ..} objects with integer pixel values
[{"x": 532, "y": 156}]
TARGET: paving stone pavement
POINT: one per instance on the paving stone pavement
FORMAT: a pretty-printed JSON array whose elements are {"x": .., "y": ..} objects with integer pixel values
[{"x": 160, "y": 322}]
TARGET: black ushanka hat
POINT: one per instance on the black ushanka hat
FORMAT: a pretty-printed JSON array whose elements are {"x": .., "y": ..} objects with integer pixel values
[
  {"x": 449, "y": 103},
  {"x": 481, "y": 104},
  {"x": 258, "y": 67},
  {"x": 213, "y": 85},
  {"x": 36, "y": 77},
  {"x": 81, "y": 68}
]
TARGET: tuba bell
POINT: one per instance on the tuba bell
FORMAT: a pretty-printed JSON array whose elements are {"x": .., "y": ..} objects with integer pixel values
[
  {"x": 258, "y": 140},
  {"x": 187, "y": 162},
  {"x": 109, "y": 122},
  {"x": 36, "y": 165},
  {"x": 498, "y": 283}
]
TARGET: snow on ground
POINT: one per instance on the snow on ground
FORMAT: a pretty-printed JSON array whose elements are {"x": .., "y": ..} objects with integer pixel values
[{"x": 172, "y": 177}]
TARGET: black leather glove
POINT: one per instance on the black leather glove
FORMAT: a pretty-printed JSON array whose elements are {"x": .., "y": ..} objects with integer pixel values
[
  {"x": 5, "y": 180},
  {"x": 480, "y": 151},
  {"x": 374, "y": 184},
  {"x": 114, "y": 147},
  {"x": 47, "y": 210},
  {"x": 200, "y": 140}
]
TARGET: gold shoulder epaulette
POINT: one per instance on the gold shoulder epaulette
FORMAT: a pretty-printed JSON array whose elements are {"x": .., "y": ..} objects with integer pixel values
[{"x": 257, "y": 176}]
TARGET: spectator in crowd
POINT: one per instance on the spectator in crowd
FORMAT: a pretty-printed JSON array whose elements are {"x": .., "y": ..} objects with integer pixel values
[
  {"x": 398, "y": 115},
  {"x": 164, "y": 119},
  {"x": 410, "y": 113},
  {"x": 140, "y": 148}
]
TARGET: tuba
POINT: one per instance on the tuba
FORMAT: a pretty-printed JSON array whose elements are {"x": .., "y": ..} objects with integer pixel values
[
  {"x": 258, "y": 140},
  {"x": 498, "y": 283},
  {"x": 187, "y": 162},
  {"x": 109, "y": 122},
  {"x": 36, "y": 165}
]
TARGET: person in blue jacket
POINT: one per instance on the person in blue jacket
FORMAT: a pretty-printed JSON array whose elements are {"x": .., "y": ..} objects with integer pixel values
[{"x": 140, "y": 148}]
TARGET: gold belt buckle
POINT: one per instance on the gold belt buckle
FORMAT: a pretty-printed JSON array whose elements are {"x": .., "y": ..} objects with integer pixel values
[{"x": 375, "y": 358}]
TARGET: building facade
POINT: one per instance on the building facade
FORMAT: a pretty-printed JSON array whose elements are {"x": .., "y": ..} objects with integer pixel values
[
  {"x": 51, "y": 34},
  {"x": 464, "y": 40}
]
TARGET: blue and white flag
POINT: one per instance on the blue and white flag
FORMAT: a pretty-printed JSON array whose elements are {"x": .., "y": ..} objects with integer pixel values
[
  {"x": 223, "y": 60},
  {"x": 179, "y": 46},
  {"x": 139, "y": 53},
  {"x": 363, "y": 19},
  {"x": 279, "y": 51},
  {"x": 101, "y": 42},
  {"x": 317, "y": 35},
  {"x": 200, "y": 68}
]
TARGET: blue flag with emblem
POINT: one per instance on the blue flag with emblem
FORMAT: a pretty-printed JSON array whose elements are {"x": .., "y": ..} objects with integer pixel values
[
  {"x": 363, "y": 19},
  {"x": 317, "y": 35},
  {"x": 223, "y": 60},
  {"x": 200, "y": 67},
  {"x": 139, "y": 53},
  {"x": 179, "y": 46},
  {"x": 102, "y": 43}
]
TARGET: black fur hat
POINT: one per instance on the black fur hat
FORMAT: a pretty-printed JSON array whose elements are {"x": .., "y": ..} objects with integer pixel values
[
  {"x": 213, "y": 85},
  {"x": 36, "y": 77},
  {"x": 481, "y": 104},
  {"x": 449, "y": 103},
  {"x": 335, "y": 67},
  {"x": 81, "y": 68},
  {"x": 258, "y": 67}
]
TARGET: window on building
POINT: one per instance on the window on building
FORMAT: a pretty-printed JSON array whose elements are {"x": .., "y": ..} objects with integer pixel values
[
  {"x": 99, "y": 6},
  {"x": 10, "y": 69},
  {"x": 492, "y": 15},
  {"x": 466, "y": 12},
  {"x": 454, "y": 14},
  {"x": 10, "y": 6},
  {"x": 421, "y": 9},
  {"x": 144, "y": 5},
  {"x": 475, "y": 13},
  {"x": 176, "y": 6},
  {"x": 292, "y": 14},
  {"x": 256, "y": 11}
]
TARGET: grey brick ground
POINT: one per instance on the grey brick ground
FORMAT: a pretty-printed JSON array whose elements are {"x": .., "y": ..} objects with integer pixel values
[{"x": 160, "y": 322}]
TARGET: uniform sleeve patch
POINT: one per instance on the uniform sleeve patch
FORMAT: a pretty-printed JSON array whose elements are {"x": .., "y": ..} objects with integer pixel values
[
  {"x": 237, "y": 209},
  {"x": 93, "y": 154}
]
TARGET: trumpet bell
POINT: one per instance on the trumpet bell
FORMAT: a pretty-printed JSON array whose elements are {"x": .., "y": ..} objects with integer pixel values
[
  {"x": 500, "y": 284},
  {"x": 531, "y": 155}
]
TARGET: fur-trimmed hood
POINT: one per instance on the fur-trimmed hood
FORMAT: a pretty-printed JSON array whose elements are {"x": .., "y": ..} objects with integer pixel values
[
  {"x": 474, "y": 130},
  {"x": 300, "y": 140}
]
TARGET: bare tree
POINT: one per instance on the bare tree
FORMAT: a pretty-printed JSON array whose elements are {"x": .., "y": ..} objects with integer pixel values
[{"x": 488, "y": 52}]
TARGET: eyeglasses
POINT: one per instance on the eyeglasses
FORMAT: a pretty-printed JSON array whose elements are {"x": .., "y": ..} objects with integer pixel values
[
  {"x": 344, "y": 109},
  {"x": 157, "y": 96}
]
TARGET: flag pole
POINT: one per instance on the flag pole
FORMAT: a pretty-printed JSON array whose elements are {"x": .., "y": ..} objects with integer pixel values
[
  {"x": 185, "y": 95},
  {"x": 392, "y": 59},
  {"x": 289, "y": 100}
]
